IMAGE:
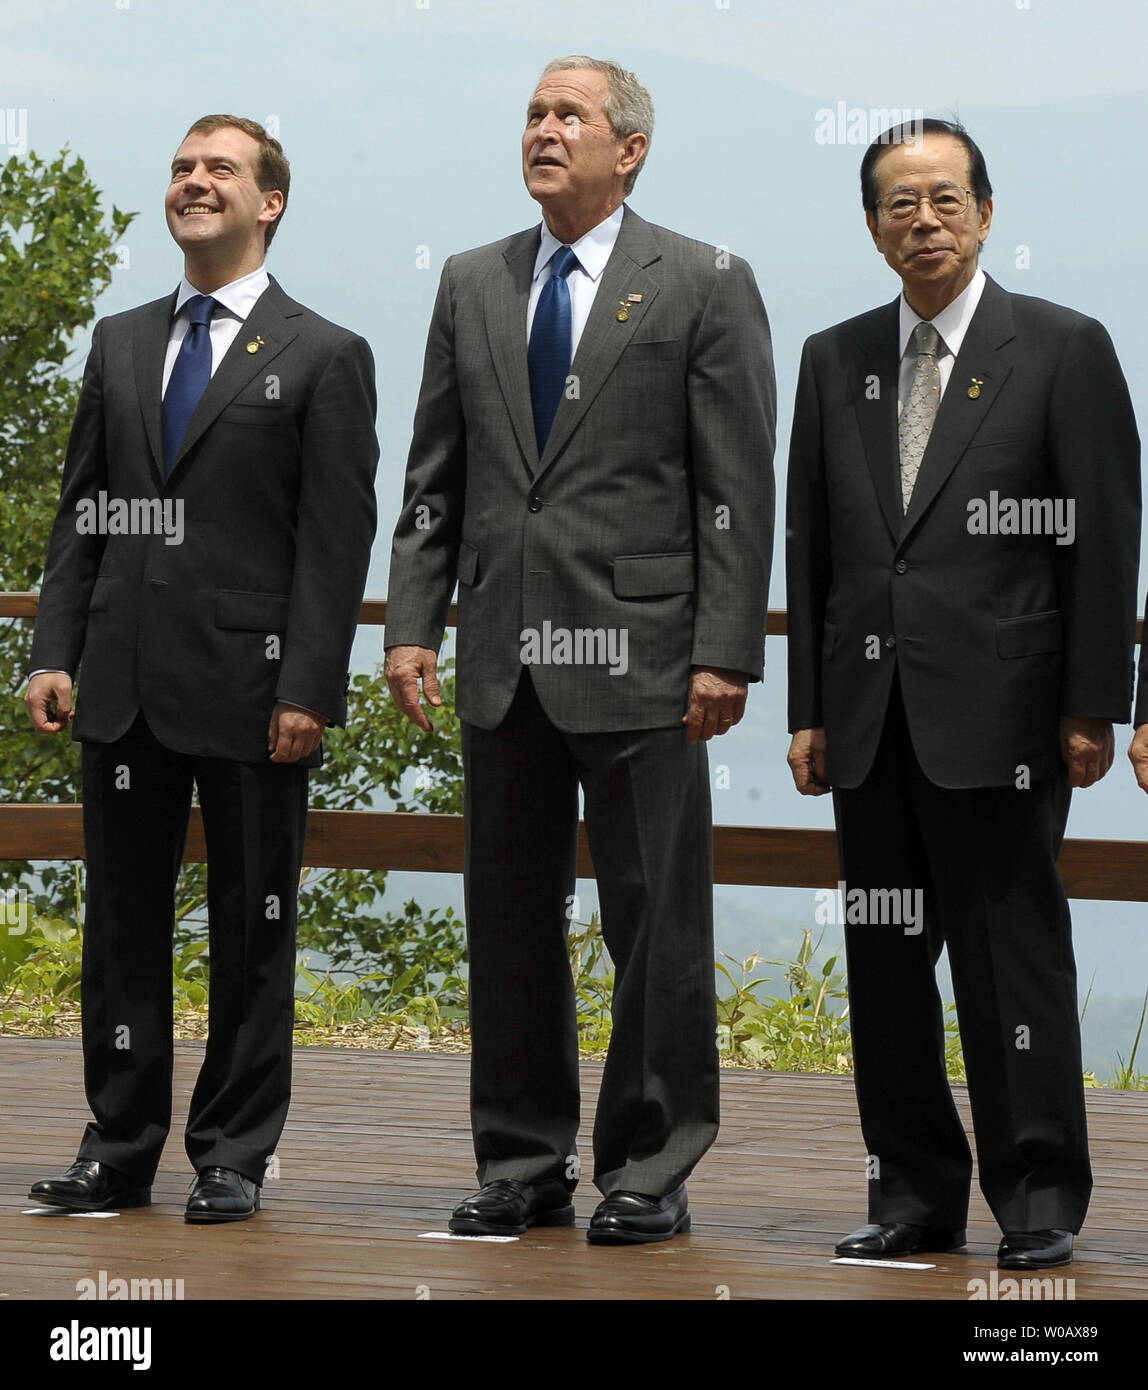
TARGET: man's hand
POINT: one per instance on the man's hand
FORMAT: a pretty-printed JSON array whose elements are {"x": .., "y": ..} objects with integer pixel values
[
  {"x": 1138, "y": 755},
  {"x": 293, "y": 734},
  {"x": 1088, "y": 746},
  {"x": 808, "y": 763},
  {"x": 48, "y": 701},
  {"x": 717, "y": 702},
  {"x": 404, "y": 667}
]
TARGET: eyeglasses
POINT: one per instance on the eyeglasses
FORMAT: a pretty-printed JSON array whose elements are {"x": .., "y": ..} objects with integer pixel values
[{"x": 947, "y": 202}]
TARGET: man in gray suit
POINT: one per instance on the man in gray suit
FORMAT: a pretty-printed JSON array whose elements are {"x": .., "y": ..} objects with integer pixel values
[
  {"x": 592, "y": 458},
  {"x": 214, "y": 653}
]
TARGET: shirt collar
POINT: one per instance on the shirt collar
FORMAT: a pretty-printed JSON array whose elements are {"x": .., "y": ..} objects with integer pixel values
[
  {"x": 238, "y": 298},
  {"x": 952, "y": 323},
  {"x": 593, "y": 249}
]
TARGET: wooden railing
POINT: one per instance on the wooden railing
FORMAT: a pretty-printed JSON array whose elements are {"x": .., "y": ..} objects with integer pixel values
[{"x": 766, "y": 856}]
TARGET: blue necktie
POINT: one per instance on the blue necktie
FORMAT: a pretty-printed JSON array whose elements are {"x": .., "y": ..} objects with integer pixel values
[
  {"x": 189, "y": 376},
  {"x": 550, "y": 347}
]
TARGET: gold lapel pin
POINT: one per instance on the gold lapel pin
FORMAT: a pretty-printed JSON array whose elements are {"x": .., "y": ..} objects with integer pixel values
[
  {"x": 975, "y": 388},
  {"x": 624, "y": 311},
  {"x": 256, "y": 345}
]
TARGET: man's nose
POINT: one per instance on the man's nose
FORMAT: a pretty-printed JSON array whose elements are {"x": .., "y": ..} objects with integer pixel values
[
  {"x": 930, "y": 217},
  {"x": 550, "y": 127}
]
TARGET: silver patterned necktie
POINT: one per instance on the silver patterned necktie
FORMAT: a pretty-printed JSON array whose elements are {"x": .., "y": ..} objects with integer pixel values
[{"x": 920, "y": 410}]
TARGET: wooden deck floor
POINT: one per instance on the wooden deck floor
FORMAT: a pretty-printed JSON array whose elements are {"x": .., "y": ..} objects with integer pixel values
[{"x": 377, "y": 1150}]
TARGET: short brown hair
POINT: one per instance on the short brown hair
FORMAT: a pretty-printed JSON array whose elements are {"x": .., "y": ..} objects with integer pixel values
[{"x": 271, "y": 170}]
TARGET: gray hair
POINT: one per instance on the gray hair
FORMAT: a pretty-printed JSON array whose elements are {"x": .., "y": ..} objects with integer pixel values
[{"x": 629, "y": 107}]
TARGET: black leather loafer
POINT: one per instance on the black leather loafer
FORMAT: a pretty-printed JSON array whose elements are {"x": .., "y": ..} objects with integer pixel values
[
  {"x": 507, "y": 1207},
  {"x": 89, "y": 1185},
  {"x": 222, "y": 1194},
  {"x": 1034, "y": 1249},
  {"x": 883, "y": 1241},
  {"x": 631, "y": 1218}
]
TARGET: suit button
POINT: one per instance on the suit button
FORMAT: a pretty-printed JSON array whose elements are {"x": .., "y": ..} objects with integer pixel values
[
  {"x": 890, "y": 641},
  {"x": 902, "y": 567},
  {"x": 535, "y": 504},
  {"x": 158, "y": 583}
]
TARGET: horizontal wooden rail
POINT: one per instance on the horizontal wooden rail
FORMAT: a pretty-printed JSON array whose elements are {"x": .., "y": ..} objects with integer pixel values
[
  {"x": 760, "y": 855},
  {"x": 765, "y": 856}
]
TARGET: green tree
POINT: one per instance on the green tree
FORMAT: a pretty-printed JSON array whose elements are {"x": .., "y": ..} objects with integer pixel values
[{"x": 57, "y": 256}]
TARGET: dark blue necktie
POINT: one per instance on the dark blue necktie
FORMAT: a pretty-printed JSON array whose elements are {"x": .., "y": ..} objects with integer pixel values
[
  {"x": 550, "y": 347},
  {"x": 189, "y": 376}
]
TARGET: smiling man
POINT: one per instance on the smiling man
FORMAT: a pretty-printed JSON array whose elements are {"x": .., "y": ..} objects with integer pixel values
[
  {"x": 592, "y": 458},
  {"x": 951, "y": 682},
  {"x": 215, "y": 663}
]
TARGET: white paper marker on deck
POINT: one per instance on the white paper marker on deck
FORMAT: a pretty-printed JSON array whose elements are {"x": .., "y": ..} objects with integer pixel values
[
  {"x": 879, "y": 1264},
  {"x": 64, "y": 1211},
  {"x": 450, "y": 1235}
]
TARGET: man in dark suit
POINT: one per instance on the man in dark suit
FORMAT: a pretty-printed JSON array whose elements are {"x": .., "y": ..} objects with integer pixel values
[
  {"x": 963, "y": 526},
  {"x": 592, "y": 458},
  {"x": 206, "y": 565}
]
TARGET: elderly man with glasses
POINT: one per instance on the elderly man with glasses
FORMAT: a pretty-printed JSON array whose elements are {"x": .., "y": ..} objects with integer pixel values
[{"x": 963, "y": 528}]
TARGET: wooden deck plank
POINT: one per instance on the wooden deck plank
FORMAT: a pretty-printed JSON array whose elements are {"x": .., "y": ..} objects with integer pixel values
[{"x": 377, "y": 1150}]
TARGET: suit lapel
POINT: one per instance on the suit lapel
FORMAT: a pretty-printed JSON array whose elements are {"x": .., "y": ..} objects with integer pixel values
[
  {"x": 269, "y": 320},
  {"x": 604, "y": 339},
  {"x": 149, "y": 348},
  {"x": 507, "y": 293},
  {"x": 875, "y": 400},
  {"x": 986, "y": 357}
]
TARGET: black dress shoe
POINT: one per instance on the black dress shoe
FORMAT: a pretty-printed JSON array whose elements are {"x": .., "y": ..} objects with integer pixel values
[
  {"x": 880, "y": 1242},
  {"x": 222, "y": 1194},
  {"x": 630, "y": 1218},
  {"x": 89, "y": 1185},
  {"x": 1034, "y": 1249},
  {"x": 507, "y": 1207}
]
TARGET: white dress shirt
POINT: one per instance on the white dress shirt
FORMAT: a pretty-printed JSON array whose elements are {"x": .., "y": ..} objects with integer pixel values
[
  {"x": 952, "y": 323},
  {"x": 593, "y": 251},
  {"x": 233, "y": 304}
]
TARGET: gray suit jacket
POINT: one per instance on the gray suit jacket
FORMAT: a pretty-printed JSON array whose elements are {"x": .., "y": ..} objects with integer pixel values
[
  {"x": 647, "y": 520},
  {"x": 260, "y": 598}
]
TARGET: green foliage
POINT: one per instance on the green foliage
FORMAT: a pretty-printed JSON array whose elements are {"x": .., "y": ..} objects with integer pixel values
[
  {"x": 376, "y": 999},
  {"x": 954, "y": 1054},
  {"x": 382, "y": 755},
  {"x": 1126, "y": 1077},
  {"x": 57, "y": 256},
  {"x": 800, "y": 1032},
  {"x": 593, "y": 983}
]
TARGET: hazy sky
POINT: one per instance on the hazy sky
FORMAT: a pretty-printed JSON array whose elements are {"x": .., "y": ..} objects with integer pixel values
[{"x": 402, "y": 121}]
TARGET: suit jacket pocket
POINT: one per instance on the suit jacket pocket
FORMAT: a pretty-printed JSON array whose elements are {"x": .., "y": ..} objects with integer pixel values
[
  {"x": 647, "y": 576},
  {"x": 248, "y": 612},
  {"x": 1000, "y": 441},
  {"x": 101, "y": 594},
  {"x": 240, "y": 413},
  {"x": 1030, "y": 635},
  {"x": 467, "y": 563}
]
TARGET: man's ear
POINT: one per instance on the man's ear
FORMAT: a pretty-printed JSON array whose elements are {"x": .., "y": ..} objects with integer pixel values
[
  {"x": 871, "y": 223},
  {"x": 985, "y": 214}
]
